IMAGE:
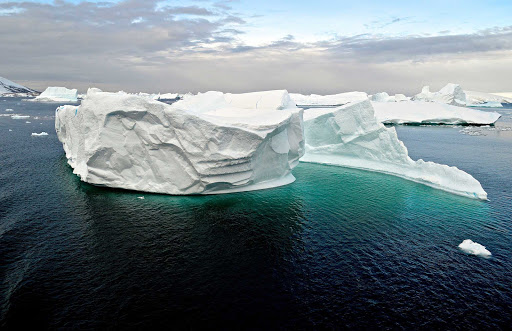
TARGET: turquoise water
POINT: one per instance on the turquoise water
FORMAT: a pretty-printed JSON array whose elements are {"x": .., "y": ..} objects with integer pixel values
[{"x": 339, "y": 248}]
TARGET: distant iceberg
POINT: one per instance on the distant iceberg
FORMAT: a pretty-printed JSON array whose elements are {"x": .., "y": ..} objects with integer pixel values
[
  {"x": 19, "y": 117},
  {"x": 58, "y": 94},
  {"x": 350, "y": 136},
  {"x": 451, "y": 94},
  {"x": 474, "y": 248},
  {"x": 418, "y": 112},
  {"x": 480, "y": 99},
  {"x": 205, "y": 144},
  {"x": 327, "y": 100}
]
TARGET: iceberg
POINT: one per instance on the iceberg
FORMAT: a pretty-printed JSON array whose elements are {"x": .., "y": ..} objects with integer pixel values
[
  {"x": 327, "y": 100},
  {"x": 419, "y": 112},
  {"x": 451, "y": 94},
  {"x": 479, "y": 99},
  {"x": 58, "y": 94},
  {"x": 350, "y": 136},
  {"x": 210, "y": 143},
  {"x": 474, "y": 248},
  {"x": 42, "y": 134},
  {"x": 382, "y": 97}
]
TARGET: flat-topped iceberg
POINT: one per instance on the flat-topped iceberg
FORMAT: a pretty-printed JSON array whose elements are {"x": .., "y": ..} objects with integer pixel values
[
  {"x": 58, "y": 94},
  {"x": 327, "y": 100},
  {"x": 205, "y": 144},
  {"x": 418, "y": 112},
  {"x": 451, "y": 94},
  {"x": 350, "y": 136}
]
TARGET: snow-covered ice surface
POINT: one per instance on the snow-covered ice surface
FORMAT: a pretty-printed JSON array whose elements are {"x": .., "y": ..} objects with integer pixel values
[
  {"x": 42, "y": 134},
  {"x": 479, "y": 99},
  {"x": 58, "y": 94},
  {"x": 451, "y": 94},
  {"x": 350, "y": 136},
  {"x": 474, "y": 248},
  {"x": 205, "y": 144},
  {"x": 328, "y": 100},
  {"x": 418, "y": 112},
  {"x": 9, "y": 88}
]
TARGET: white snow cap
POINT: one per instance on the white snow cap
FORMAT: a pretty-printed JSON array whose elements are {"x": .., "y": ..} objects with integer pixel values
[
  {"x": 201, "y": 145},
  {"x": 328, "y": 100},
  {"x": 58, "y": 94},
  {"x": 474, "y": 248}
]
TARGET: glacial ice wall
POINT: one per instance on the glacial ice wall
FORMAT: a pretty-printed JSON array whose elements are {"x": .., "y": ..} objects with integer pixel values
[
  {"x": 130, "y": 142},
  {"x": 350, "y": 136}
]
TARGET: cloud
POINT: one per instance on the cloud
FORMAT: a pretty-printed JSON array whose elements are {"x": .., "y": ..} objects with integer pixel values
[{"x": 152, "y": 46}]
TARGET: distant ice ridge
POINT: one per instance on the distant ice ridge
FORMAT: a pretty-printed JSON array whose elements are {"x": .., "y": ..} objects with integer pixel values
[
  {"x": 58, "y": 94},
  {"x": 419, "y": 112},
  {"x": 480, "y": 99},
  {"x": 451, "y": 94},
  {"x": 350, "y": 136},
  {"x": 9, "y": 88},
  {"x": 207, "y": 144},
  {"x": 474, "y": 248},
  {"x": 327, "y": 100}
]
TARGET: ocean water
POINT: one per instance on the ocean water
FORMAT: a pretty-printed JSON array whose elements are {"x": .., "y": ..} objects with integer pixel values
[{"x": 339, "y": 248}]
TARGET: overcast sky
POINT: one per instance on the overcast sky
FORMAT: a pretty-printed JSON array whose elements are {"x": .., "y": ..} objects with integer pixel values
[{"x": 321, "y": 46}]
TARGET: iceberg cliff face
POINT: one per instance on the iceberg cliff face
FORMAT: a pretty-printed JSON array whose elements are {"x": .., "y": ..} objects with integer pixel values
[
  {"x": 130, "y": 142},
  {"x": 350, "y": 136},
  {"x": 58, "y": 94},
  {"x": 418, "y": 112}
]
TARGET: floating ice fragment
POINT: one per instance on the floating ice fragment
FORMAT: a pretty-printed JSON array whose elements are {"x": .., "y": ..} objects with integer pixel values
[
  {"x": 20, "y": 117},
  {"x": 39, "y": 134},
  {"x": 9, "y": 109},
  {"x": 28, "y": 122},
  {"x": 474, "y": 248},
  {"x": 142, "y": 198}
]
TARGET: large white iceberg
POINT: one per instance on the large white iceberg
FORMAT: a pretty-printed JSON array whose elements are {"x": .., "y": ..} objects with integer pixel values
[
  {"x": 471, "y": 247},
  {"x": 327, "y": 100},
  {"x": 419, "y": 112},
  {"x": 451, "y": 94},
  {"x": 350, "y": 136},
  {"x": 481, "y": 99},
  {"x": 205, "y": 144},
  {"x": 58, "y": 94}
]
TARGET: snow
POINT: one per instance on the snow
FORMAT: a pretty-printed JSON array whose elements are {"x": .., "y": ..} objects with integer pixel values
[
  {"x": 58, "y": 94},
  {"x": 42, "y": 134},
  {"x": 507, "y": 95},
  {"x": 350, "y": 136},
  {"x": 474, "y": 248},
  {"x": 451, "y": 94},
  {"x": 478, "y": 98},
  {"x": 328, "y": 100},
  {"x": 8, "y": 87},
  {"x": 418, "y": 112},
  {"x": 206, "y": 144},
  {"x": 19, "y": 117},
  {"x": 168, "y": 96}
]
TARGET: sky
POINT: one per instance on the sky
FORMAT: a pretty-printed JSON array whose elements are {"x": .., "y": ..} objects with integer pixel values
[{"x": 321, "y": 46}]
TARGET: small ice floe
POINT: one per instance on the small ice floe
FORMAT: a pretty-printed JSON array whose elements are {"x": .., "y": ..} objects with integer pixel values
[
  {"x": 142, "y": 198},
  {"x": 474, "y": 248},
  {"x": 9, "y": 109},
  {"x": 28, "y": 122},
  {"x": 42, "y": 134},
  {"x": 19, "y": 117},
  {"x": 10, "y": 130}
]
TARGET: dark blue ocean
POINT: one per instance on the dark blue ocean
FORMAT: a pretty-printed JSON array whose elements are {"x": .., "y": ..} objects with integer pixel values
[{"x": 337, "y": 249}]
